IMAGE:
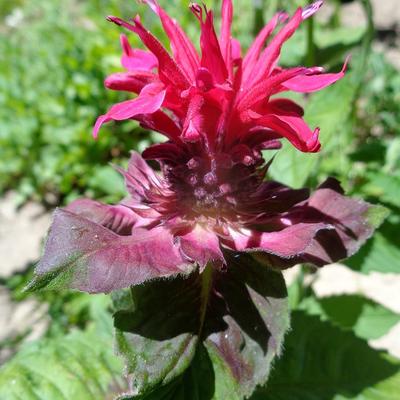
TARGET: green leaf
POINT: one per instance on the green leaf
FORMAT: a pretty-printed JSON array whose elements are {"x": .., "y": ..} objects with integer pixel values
[
  {"x": 323, "y": 362},
  {"x": 368, "y": 152},
  {"x": 367, "y": 319},
  {"x": 393, "y": 155},
  {"x": 335, "y": 44},
  {"x": 382, "y": 252},
  {"x": 296, "y": 290},
  {"x": 107, "y": 180},
  {"x": 376, "y": 215},
  {"x": 218, "y": 330},
  {"x": 384, "y": 186},
  {"x": 81, "y": 365}
]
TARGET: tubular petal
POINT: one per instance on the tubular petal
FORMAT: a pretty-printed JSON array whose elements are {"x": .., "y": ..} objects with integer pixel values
[
  {"x": 133, "y": 81},
  {"x": 312, "y": 83},
  {"x": 225, "y": 36},
  {"x": 270, "y": 55},
  {"x": 255, "y": 49},
  {"x": 261, "y": 92},
  {"x": 294, "y": 129},
  {"x": 284, "y": 107},
  {"x": 149, "y": 101},
  {"x": 184, "y": 52},
  {"x": 169, "y": 71},
  {"x": 136, "y": 59},
  {"x": 159, "y": 121},
  {"x": 212, "y": 58}
]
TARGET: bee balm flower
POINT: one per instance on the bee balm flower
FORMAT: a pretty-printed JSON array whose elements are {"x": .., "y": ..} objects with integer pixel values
[
  {"x": 217, "y": 97},
  {"x": 218, "y": 111}
]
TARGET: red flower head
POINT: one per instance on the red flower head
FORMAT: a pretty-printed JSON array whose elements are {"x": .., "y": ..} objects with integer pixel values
[
  {"x": 218, "y": 110},
  {"x": 218, "y": 99}
]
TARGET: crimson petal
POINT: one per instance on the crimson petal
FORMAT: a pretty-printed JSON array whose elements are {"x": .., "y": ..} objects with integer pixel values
[
  {"x": 169, "y": 71},
  {"x": 294, "y": 129},
  {"x": 133, "y": 81},
  {"x": 184, "y": 52},
  {"x": 312, "y": 83},
  {"x": 255, "y": 49},
  {"x": 225, "y": 37},
  {"x": 149, "y": 101},
  {"x": 212, "y": 58},
  {"x": 159, "y": 121},
  {"x": 271, "y": 54},
  {"x": 136, "y": 59}
]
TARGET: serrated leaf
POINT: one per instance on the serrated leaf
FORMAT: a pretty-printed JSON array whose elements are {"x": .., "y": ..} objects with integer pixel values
[
  {"x": 220, "y": 327},
  {"x": 81, "y": 365},
  {"x": 323, "y": 362},
  {"x": 366, "y": 318}
]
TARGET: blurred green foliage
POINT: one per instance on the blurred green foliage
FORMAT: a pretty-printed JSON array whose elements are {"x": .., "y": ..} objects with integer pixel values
[
  {"x": 79, "y": 365},
  {"x": 51, "y": 90}
]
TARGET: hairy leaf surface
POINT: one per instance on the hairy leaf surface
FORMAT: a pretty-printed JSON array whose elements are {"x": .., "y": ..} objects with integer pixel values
[
  {"x": 210, "y": 336},
  {"x": 323, "y": 362}
]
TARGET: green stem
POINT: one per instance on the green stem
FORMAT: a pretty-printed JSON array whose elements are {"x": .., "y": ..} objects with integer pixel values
[
  {"x": 206, "y": 284},
  {"x": 258, "y": 16},
  {"x": 310, "y": 58},
  {"x": 367, "y": 41},
  {"x": 335, "y": 20},
  {"x": 361, "y": 66}
]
